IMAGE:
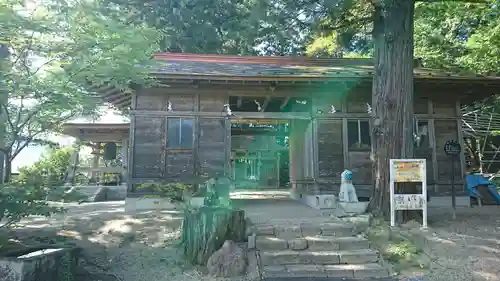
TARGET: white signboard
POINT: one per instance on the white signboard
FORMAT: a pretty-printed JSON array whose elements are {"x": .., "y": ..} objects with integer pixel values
[{"x": 408, "y": 170}]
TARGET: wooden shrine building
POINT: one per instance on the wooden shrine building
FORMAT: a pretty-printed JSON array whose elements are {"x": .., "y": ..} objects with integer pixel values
[{"x": 184, "y": 130}]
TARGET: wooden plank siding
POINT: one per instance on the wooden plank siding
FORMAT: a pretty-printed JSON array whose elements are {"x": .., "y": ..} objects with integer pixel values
[
  {"x": 151, "y": 159},
  {"x": 336, "y": 153},
  {"x": 161, "y": 155}
]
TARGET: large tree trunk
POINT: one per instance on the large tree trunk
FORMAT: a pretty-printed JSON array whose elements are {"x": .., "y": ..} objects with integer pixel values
[
  {"x": 392, "y": 94},
  {"x": 4, "y": 65},
  {"x": 204, "y": 230},
  {"x": 8, "y": 169}
]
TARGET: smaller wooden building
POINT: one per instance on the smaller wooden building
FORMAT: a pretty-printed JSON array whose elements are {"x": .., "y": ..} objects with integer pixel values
[
  {"x": 98, "y": 136},
  {"x": 180, "y": 131}
]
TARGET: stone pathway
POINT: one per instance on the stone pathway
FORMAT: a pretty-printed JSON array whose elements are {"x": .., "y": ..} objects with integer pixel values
[{"x": 325, "y": 279}]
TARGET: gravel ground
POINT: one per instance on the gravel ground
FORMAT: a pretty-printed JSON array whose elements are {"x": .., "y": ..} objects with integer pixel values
[
  {"x": 141, "y": 247},
  {"x": 467, "y": 249},
  {"x": 118, "y": 246}
]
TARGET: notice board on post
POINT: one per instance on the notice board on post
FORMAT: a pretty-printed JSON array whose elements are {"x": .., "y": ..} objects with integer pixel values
[{"x": 408, "y": 170}]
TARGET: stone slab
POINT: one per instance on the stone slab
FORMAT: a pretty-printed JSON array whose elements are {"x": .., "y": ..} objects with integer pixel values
[
  {"x": 338, "y": 271},
  {"x": 288, "y": 232},
  {"x": 318, "y": 257},
  {"x": 270, "y": 243},
  {"x": 279, "y": 257},
  {"x": 336, "y": 243},
  {"x": 358, "y": 257},
  {"x": 297, "y": 244},
  {"x": 325, "y": 279},
  {"x": 55, "y": 264},
  {"x": 264, "y": 230},
  {"x": 369, "y": 271},
  {"x": 324, "y": 201},
  {"x": 336, "y": 229},
  {"x": 301, "y": 272},
  {"x": 353, "y": 208}
]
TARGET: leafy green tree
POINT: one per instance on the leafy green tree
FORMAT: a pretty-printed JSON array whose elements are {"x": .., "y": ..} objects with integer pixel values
[
  {"x": 455, "y": 35},
  {"x": 25, "y": 196},
  {"x": 240, "y": 27},
  {"x": 56, "y": 53}
]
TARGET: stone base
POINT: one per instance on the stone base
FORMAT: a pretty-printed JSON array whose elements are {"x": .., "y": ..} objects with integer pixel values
[
  {"x": 325, "y": 201},
  {"x": 116, "y": 193},
  {"x": 39, "y": 264},
  {"x": 147, "y": 204},
  {"x": 353, "y": 208}
]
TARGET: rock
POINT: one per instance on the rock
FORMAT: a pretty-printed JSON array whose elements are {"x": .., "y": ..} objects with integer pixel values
[{"x": 228, "y": 261}]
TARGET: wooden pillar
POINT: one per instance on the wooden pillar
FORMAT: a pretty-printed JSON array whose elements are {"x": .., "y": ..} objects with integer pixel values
[
  {"x": 345, "y": 144},
  {"x": 432, "y": 143},
  {"x": 296, "y": 157},
  {"x": 308, "y": 152},
  {"x": 278, "y": 167},
  {"x": 95, "y": 160},
  {"x": 124, "y": 158},
  {"x": 73, "y": 164},
  {"x": 460, "y": 136}
]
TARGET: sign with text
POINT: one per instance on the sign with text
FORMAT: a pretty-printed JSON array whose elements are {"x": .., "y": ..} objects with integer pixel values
[
  {"x": 408, "y": 170},
  {"x": 452, "y": 148},
  {"x": 408, "y": 202}
]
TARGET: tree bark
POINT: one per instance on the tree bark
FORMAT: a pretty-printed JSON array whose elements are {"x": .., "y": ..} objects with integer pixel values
[
  {"x": 204, "y": 230},
  {"x": 392, "y": 94},
  {"x": 8, "y": 169}
]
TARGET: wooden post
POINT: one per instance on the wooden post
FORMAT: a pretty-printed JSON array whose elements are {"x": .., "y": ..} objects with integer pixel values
[
  {"x": 345, "y": 143},
  {"x": 124, "y": 157},
  {"x": 73, "y": 164},
  {"x": 432, "y": 143},
  {"x": 460, "y": 136},
  {"x": 131, "y": 143},
  {"x": 278, "y": 167},
  {"x": 95, "y": 162}
]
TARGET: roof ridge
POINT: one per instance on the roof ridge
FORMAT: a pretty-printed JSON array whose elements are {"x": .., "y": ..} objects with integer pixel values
[{"x": 272, "y": 60}]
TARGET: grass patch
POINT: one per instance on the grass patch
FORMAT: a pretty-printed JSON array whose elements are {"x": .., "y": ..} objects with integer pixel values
[{"x": 403, "y": 254}]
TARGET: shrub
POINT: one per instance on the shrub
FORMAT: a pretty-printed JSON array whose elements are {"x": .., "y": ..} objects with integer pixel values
[
  {"x": 175, "y": 192},
  {"x": 27, "y": 195}
]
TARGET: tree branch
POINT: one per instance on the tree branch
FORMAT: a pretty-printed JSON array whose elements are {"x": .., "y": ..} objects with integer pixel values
[
  {"x": 21, "y": 147},
  {"x": 44, "y": 64},
  {"x": 9, "y": 120}
]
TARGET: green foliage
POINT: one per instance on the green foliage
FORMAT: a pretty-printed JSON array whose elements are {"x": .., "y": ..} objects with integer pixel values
[
  {"x": 56, "y": 53},
  {"x": 452, "y": 35},
  {"x": 458, "y": 36},
  {"x": 27, "y": 194},
  {"x": 175, "y": 192},
  {"x": 18, "y": 201},
  {"x": 49, "y": 171},
  {"x": 397, "y": 247}
]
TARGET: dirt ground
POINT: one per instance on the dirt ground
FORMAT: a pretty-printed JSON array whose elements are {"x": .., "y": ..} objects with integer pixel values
[
  {"x": 467, "y": 249},
  {"x": 142, "y": 246}
]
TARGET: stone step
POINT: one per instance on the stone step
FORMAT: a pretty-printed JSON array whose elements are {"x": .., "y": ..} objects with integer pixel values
[
  {"x": 303, "y": 230},
  {"x": 290, "y": 257},
  {"x": 326, "y": 243},
  {"x": 371, "y": 270}
]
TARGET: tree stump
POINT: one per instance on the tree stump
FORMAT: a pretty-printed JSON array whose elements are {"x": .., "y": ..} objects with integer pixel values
[{"x": 205, "y": 229}]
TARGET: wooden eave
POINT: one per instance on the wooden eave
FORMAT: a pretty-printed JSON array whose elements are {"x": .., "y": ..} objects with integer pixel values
[
  {"x": 203, "y": 69},
  {"x": 97, "y": 131}
]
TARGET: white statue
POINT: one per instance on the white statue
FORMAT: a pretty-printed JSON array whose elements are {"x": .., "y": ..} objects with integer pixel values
[{"x": 347, "y": 191}]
